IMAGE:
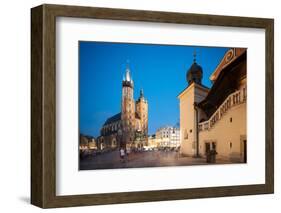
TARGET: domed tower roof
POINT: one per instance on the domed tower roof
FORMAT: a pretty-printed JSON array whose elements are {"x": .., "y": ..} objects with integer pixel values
[{"x": 194, "y": 73}]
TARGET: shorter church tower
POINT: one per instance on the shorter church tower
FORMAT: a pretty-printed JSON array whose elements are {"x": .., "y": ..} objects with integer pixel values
[
  {"x": 142, "y": 112},
  {"x": 189, "y": 116}
]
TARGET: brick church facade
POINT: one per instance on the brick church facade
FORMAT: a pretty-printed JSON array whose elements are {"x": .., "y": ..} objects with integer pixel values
[{"x": 128, "y": 128}]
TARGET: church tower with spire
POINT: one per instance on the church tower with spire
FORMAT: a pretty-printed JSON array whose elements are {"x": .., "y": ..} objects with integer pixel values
[
  {"x": 128, "y": 128},
  {"x": 128, "y": 107}
]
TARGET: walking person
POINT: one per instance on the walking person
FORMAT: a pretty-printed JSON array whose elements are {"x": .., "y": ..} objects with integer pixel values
[
  {"x": 128, "y": 151},
  {"x": 122, "y": 155}
]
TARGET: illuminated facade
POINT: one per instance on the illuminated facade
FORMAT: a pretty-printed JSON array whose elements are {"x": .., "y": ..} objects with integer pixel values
[
  {"x": 168, "y": 136},
  {"x": 215, "y": 118},
  {"x": 130, "y": 126}
]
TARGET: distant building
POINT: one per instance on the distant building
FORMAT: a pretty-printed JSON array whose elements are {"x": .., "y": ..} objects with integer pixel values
[
  {"x": 87, "y": 142},
  {"x": 168, "y": 137},
  {"x": 92, "y": 143},
  {"x": 215, "y": 118},
  {"x": 83, "y": 142},
  {"x": 130, "y": 126},
  {"x": 152, "y": 141}
]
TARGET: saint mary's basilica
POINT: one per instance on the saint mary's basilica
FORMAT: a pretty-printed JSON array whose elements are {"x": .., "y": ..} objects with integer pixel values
[{"x": 128, "y": 128}]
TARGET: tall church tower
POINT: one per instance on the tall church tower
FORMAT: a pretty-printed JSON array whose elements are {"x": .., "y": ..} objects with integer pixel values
[
  {"x": 128, "y": 108},
  {"x": 142, "y": 111}
]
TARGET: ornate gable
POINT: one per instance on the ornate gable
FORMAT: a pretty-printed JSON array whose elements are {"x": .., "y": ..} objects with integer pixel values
[{"x": 229, "y": 56}]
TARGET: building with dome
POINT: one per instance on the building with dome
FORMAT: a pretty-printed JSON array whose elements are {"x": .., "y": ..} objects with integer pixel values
[
  {"x": 215, "y": 118},
  {"x": 128, "y": 128}
]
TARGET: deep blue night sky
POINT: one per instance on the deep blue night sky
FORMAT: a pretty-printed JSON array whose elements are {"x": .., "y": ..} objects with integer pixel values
[{"x": 159, "y": 69}]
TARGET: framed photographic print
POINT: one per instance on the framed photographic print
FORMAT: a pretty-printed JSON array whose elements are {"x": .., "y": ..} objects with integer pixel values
[{"x": 137, "y": 106}]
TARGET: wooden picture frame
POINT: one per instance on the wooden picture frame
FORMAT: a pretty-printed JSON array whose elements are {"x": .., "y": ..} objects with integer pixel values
[{"x": 43, "y": 105}]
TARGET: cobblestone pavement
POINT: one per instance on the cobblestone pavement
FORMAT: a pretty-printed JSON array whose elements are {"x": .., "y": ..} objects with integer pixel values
[{"x": 111, "y": 160}]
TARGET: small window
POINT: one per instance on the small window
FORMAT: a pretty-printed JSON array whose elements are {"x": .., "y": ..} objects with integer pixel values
[
  {"x": 230, "y": 145},
  {"x": 230, "y": 120},
  {"x": 185, "y": 135},
  {"x": 190, "y": 130}
]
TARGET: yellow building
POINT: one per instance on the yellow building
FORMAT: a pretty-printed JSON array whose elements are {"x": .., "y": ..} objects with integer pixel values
[
  {"x": 152, "y": 142},
  {"x": 87, "y": 142},
  {"x": 215, "y": 118}
]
